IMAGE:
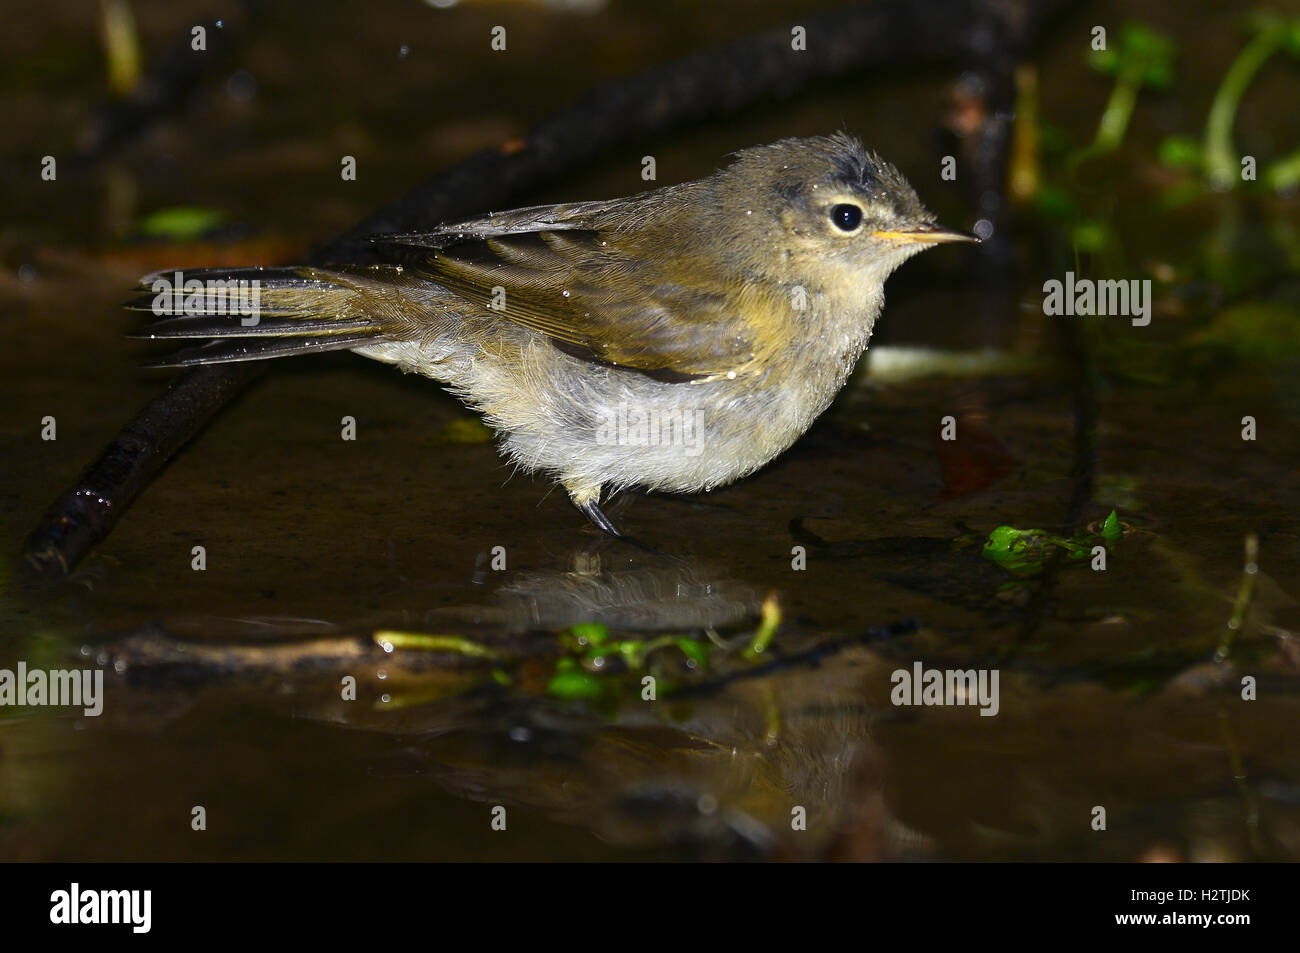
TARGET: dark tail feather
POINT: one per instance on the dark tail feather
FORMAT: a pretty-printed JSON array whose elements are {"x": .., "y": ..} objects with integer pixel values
[
  {"x": 228, "y": 351},
  {"x": 258, "y": 313},
  {"x": 233, "y": 327}
]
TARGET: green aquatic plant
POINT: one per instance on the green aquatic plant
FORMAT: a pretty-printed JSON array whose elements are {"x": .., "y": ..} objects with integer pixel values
[
  {"x": 121, "y": 40},
  {"x": 390, "y": 639},
  {"x": 1265, "y": 333},
  {"x": 572, "y": 683},
  {"x": 1221, "y": 161},
  {"x": 593, "y": 665},
  {"x": 1245, "y": 595},
  {"x": 770, "y": 622},
  {"x": 1143, "y": 58},
  {"x": 1140, "y": 58},
  {"x": 1024, "y": 552},
  {"x": 1215, "y": 155},
  {"x": 180, "y": 223}
]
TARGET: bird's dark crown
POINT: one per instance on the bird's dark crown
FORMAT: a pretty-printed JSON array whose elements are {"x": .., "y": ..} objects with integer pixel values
[{"x": 836, "y": 163}]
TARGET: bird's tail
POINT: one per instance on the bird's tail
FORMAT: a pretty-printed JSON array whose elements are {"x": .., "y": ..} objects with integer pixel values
[{"x": 255, "y": 313}]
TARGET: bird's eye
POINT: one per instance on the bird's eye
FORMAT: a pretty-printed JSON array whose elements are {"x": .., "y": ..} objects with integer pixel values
[{"x": 846, "y": 217}]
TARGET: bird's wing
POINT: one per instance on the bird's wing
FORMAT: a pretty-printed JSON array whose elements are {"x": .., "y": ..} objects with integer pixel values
[
  {"x": 593, "y": 291},
  {"x": 535, "y": 218}
]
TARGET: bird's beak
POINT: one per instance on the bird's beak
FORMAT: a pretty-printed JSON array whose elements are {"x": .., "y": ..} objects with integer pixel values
[{"x": 927, "y": 235}]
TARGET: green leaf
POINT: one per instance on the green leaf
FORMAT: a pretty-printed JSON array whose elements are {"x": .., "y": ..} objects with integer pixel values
[
  {"x": 695, "y": 651},
  {"x": 1180, "y": 152},
  {"x": 1152, "y": 50},
  {"x": 1140, "y": 51},
  {"x": 1104, "y": 61},
  {"x": 590, "y": 633},
  {"x": 1023, "y": 551},
  {"x": 1017, "y": 551},
  {"x": 181, "y": 223},
  {"x": 1091, "y": 236},
  {"x": 574, "y": 685},
  {"x": 1291, "y": 40},
  {"x": 1056, "y": 203}
]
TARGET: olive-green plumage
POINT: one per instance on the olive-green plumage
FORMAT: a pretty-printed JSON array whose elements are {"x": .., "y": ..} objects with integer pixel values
[{"x": 674, "y": 340}]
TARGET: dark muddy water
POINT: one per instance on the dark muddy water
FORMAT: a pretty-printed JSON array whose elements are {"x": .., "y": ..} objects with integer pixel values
[{"x": 230, "y": 688}]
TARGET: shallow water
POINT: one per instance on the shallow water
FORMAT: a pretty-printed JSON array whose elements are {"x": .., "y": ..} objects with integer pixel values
[{"x": 223, "y": 687}]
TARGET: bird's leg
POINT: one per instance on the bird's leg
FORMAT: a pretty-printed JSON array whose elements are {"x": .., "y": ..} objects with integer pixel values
[
  {"x": 593, "y": 512},
  {"x": 587, "y": 499}
]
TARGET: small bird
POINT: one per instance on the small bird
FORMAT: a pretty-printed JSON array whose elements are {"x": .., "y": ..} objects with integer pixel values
[{"x": 675, "y": 340}]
